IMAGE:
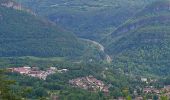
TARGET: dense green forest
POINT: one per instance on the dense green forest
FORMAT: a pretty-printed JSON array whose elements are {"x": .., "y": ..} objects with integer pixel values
[
  {"x": 141, "y": 45},
  {"x": 24, "y": 34}
]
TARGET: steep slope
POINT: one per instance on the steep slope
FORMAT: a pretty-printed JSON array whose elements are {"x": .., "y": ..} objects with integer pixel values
[
  {"x": 92, "y": 19},
  {"x": 24, "y": 34},
  {"x": 142, "y": 44}
]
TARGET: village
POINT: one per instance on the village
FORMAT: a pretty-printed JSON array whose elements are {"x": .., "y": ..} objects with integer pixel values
[
  {"x": 89, "y": 83},
  {"x": 35, "y": 72},
  {"x": 152, "y": 90},
  {"x": 149, "y": 91},
  {"x": 165, "y": 91}
]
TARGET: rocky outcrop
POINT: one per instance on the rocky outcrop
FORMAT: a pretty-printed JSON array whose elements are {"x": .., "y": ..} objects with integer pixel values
[
  {"x": 16, "y": 6},
  {"x": 11, "y": 4},
  {"x": 143, "y": 22}
]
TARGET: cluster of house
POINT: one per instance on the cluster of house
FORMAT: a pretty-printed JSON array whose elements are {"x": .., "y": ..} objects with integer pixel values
[
  {"x": 89, "y": 83},
  {"x": 152, "y": 90},
  {"x": 165, "y": 91},
  {"x": 35, "y": 72}
]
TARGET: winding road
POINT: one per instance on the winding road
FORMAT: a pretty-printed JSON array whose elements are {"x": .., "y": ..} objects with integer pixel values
[{"x": 101, "y": 48}]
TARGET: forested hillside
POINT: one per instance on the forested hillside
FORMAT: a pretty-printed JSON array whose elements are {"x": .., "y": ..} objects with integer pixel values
[
  {"x": 84, "y": 49},
  {"x": 24, "y": 34},
  {"x": 141, "y": 45},
  {"x": 92, "y": 19}
]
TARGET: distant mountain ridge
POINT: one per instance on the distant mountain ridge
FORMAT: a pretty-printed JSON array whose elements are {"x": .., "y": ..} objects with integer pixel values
[
  {"x": 90, "y": 19},
  {"x": 142, "y": 43},
  {"x": 149, "y": 15}
]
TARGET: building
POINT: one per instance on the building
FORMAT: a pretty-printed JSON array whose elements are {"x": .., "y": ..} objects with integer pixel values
[
  {"x": 35, "y": 72},
  {"x": 144, "y": 79},
  {"x": 21, "y": 70}
]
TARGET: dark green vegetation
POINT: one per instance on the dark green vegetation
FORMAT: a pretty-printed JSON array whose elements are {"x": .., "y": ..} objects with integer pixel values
[
  {"x": 141, "y": 45},
  {"x": 92, "y": 19},
  {"x": 24, "y": 34},
  {"x": 7, "y": 91}
]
